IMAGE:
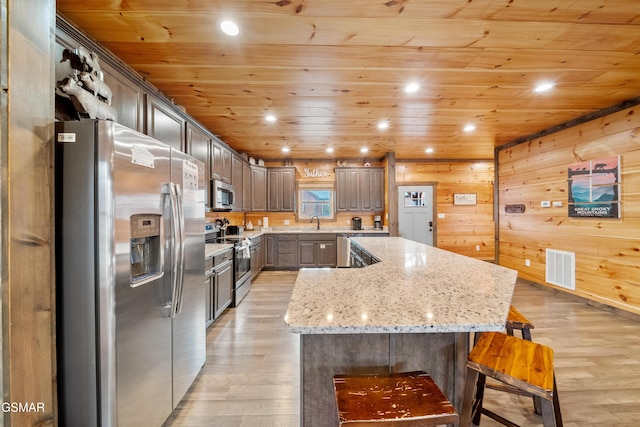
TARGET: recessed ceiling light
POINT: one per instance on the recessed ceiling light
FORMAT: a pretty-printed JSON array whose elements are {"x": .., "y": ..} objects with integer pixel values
[
  {"x": 364, "y": 150},
  {"x": 429, "y": 150},
  {"x": 329, "y": 150},
  {"x": 285, "y": 149},
  {"x": 383, "y": 124},
  {"x": 229, "y": 28},
  {"x": 543, "y": 87},
  {"x": 270, "y": 118},
  {"x": 469, "y": 128},
  {"x": 412, "y": 87}
]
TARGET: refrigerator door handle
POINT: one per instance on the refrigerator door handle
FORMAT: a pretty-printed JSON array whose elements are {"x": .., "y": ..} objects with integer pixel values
[
  {"x": 177, "y": 246},
  {"x": 181, "y": 249}
]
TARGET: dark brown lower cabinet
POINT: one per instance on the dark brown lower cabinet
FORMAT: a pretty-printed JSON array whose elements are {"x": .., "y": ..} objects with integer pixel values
[{"x": 317, "y": 250}]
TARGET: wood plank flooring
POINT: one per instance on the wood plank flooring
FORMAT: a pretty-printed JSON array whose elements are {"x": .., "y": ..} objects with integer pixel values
[{"x": 251, "y": 378}]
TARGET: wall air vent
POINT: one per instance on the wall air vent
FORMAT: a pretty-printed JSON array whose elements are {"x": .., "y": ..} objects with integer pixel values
[{"x": 561, "y": 269}]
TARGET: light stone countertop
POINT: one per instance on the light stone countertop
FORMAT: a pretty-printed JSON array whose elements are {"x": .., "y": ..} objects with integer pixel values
[
  {"x": 414, "y": 288},
  {"x": 324, "y": 229},
  {"x": 212, "y": 249}
]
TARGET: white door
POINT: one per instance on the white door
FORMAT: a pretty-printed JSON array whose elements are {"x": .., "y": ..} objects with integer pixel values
[{"x": 415, "y": 213}]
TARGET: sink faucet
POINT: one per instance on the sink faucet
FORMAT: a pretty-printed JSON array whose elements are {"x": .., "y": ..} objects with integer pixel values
[{"x": 318, "y": 219}]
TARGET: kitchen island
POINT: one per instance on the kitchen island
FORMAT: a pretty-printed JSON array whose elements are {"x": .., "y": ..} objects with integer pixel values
[{"x": 413, "y": 310}]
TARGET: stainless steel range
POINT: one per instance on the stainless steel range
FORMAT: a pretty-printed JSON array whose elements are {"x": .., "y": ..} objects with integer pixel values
[{"x": 241, "y": 261}]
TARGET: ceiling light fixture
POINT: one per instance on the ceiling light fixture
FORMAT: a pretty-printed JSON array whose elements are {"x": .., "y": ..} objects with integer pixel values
[
  {"x": 412, "y": 87},
  {"x": 364, "y": 150},
  {"x": 469, "y": 128},
  {"x": 429, "y": 150},
  {"x": 383, "y": 124},
  {"x": 329, "y": 150},
  {"x": 285, "y": 149},
  {"x": 543, "y": 87},
  {"x": 270, "y": 118},
  {"x": 229, "y": 28}
]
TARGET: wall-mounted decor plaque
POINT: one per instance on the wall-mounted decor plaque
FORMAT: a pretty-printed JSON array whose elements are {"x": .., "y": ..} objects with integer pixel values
[
  {"x": 514, "y": 208},
  {"x": 464, "y": 199}
]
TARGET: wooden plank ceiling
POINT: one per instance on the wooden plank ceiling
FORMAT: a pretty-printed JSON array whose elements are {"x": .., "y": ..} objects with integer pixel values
[{"x": 330, "y": 70}]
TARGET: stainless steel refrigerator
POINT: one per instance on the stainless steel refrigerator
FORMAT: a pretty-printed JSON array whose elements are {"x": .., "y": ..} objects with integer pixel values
[{"x": 130, "y": 275}]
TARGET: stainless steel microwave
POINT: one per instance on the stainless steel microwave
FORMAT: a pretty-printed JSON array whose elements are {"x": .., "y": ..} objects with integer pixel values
[{"x": 222, "y": 196}]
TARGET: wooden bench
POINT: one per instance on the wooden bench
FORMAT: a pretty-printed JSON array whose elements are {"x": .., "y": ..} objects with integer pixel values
[
  {"x": 403, "y": 399},
  {"x": 517, "y": 362}
]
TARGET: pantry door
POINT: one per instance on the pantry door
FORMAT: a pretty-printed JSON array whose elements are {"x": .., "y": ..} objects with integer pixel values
[{"x": 416, "y": 212}]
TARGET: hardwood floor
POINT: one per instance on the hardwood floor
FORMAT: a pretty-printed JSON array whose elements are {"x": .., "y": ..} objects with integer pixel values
[{"x": 251, "y": 378}]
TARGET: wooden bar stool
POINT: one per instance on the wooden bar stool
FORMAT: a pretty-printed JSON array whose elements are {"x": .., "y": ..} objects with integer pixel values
[
  {"x": 517, "y": 362},
  {"x": 401, "y": 399},
  {"x": 515, "y": 320}
]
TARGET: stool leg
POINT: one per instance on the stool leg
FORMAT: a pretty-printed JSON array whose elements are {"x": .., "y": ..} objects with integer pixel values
[
  {"x": 477, "y": 405},
  {"x": 467, "y": 398},
  {"x": 526, "y": 334},
  {"x": 556, "y": 404}
]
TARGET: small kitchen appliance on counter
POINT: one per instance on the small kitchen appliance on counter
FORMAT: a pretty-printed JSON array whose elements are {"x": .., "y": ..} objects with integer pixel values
[
  {"x": 234, "y": 230},
  {"x": 377, "y": 222},
  {"x": 356, "y": 223}
]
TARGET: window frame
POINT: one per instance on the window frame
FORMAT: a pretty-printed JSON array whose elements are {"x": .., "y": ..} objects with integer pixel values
[{"x": 316, "y": 186}]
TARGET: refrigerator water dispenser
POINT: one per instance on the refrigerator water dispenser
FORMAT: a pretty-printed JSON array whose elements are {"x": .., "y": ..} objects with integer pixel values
[{"x": 146, "y": 249}]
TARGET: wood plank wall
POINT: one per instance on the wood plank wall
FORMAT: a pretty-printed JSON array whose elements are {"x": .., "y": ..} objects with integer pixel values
[
  {"x": 607, "y": 250},
  {"x": 27, "y": 216},
  {"x": 463, "y": 227}
]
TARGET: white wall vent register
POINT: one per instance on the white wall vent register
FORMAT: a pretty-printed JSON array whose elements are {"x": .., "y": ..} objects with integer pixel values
[{"x": 561, "y": 268}]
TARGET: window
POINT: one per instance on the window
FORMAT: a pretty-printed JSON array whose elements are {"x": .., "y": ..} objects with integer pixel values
[
  {"x": 414, "y": 198},
  {"x": 315, "y": 200}
]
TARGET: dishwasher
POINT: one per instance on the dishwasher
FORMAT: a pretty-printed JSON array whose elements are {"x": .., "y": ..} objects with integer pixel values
[{"x": 344, "y": 249}]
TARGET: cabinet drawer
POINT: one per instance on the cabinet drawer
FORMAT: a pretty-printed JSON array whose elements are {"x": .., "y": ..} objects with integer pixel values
[
  {"x": 287, "y": 247},
  {"x": 208, "y": 264},
  {"x": 317, "y": 237},
  {"x": 287, "y": 260},
  {"x": 287, "y": 238}
]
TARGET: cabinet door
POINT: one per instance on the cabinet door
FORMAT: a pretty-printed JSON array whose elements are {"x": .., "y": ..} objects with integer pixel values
[
  {"x": 258, "y": 188},
  {"x": 348, "y": 189},
  {"x": 288, "y": 184},
  {"x": 274, "y": 189},
  {"x": 365, "y": 190},
  {"x": 226, "y": 164},
  {"x": 307, "y": 253},
  {"x": 327, "y": 255},
  {"x": 377, "y": 190},
  {"x": 163, "y": 124},
  {"x": 224, "y": 288},
  {"x": 216, "y": 161},
  {"x": 209, "y": 300},
  {"x": 271, "y": 250},
  {"x": 342, "y": 202},
  {"x": 198, "y": 147},
  {"x": 127, "y": 98},
  {"x": 246, "y": 186},
  {"x": 236, "y": 180}
]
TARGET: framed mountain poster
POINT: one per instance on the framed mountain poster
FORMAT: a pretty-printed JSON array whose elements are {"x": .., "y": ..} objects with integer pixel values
[{"x": 594, "y": 188}]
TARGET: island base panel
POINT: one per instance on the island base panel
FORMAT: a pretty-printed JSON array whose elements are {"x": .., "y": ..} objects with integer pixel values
[{"x": 442, "y": 355}]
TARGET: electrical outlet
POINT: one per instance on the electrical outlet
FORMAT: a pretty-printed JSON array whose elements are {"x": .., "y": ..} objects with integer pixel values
[
  {"x": 286, "y": 222},
  {"x": 478, "y": 248},
  {"x": 527, "y": 263},
  {"x": 545, "y": 204},
  {"x": 441, "y": 215},
  {"x": 259, "y": 222}
]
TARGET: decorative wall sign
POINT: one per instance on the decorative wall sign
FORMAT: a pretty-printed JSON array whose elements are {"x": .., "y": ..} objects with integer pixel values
[
  {"x": 519, "y": 208},
  {"x": 464, "y": 199},
  {"x": 315, "y": 173},
  {"x": 594, "y": 188}
]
